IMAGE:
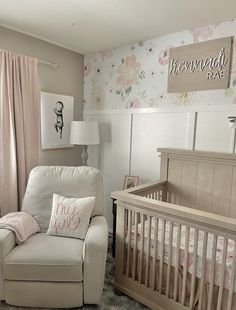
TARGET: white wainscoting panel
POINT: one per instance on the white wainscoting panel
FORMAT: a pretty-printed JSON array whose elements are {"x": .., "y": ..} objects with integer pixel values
[
  {"x": 213, "y": 132},
  {"x": 151, "y": 131},
  {"x": 129, "y": 140},
  {"x": 112, "y": 155}
]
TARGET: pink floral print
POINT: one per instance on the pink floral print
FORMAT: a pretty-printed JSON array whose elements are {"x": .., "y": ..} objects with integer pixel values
[
  {"x": 121, "y": 74},
  {"x": 87, "y": 69},
  {"x": 182, "y": 252},
  {"x": 106, "y": 54},
  {"x": 234, "y": 59},
  {"x": 203, "y": 33},
  {"x": 97, "y": 98},
  {"x": 150, "y": 49},
  {"x": 133, "y": 103},
  {"x": 163, "y": 58},
  {"x": 128, "y": 71}
]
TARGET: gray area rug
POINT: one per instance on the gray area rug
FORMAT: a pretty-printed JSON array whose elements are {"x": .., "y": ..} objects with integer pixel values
[{"x": 110, "y": 300}]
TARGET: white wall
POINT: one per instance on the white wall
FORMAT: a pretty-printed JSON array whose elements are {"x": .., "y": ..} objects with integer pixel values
[
  {"x": 129, "y": 140},
  {"x": 213, "y": 132},
  {"x": 128, "y": 85},
  {"x": 112, "y": 155},
  {"x": 152, "y": 130}
]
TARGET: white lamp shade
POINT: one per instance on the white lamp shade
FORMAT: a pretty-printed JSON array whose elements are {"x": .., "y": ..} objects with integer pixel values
[{"x": 84, "y": 133}]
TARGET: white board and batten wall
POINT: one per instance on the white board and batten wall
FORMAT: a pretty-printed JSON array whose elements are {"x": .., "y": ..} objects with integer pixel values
[
  {"x": 112, "y": 155},
  {"x": 129, "y": 139}
]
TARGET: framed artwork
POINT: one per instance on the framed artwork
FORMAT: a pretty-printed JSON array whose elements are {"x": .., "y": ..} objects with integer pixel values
[
  {"x": 56, "y": 117},
  {"x": 130, "y": 181}
]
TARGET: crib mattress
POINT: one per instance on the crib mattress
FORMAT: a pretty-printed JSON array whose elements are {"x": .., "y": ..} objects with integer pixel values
[{"x": 219, "y": 251}]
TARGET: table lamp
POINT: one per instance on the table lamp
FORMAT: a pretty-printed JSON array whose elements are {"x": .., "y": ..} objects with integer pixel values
[{"x": 84, "y": 133}]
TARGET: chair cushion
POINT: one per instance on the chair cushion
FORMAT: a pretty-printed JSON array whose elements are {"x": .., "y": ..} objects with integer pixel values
[
  {"x": 45, "y": 258},
  {"x": 76, "y": 182}
]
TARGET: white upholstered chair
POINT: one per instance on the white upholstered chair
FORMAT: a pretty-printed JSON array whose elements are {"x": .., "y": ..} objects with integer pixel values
[{"x": 52, "y": 271}]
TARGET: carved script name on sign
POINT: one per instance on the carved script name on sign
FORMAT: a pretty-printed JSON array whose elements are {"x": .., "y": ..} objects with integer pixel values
[
  {"x": 218, "y": 62},
  {"x": 200, "y": 66}
]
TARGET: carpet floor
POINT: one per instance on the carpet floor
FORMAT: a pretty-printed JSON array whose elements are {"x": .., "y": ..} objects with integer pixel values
[{"x": 110, "y": 300}]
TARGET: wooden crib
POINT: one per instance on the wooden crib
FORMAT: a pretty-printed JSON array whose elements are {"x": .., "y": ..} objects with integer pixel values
[{"x": 176, "y": 238}]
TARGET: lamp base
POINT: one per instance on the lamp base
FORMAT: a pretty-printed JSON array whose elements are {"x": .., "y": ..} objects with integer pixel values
[{"x": 84, "y": 155}]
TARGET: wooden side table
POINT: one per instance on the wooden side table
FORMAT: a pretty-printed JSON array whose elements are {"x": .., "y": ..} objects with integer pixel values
[{"x": 114, "y": 207}]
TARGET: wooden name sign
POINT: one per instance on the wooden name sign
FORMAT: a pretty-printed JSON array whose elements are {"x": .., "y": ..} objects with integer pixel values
[{"x": 200, "y": 66}]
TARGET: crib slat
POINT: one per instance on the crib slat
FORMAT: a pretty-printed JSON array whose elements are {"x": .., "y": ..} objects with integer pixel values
[
  {"x": 185, "y": 265},
  {"x": 155, "y": 230},
  {"x": 121, "y": 244},
  {"x": 148, "y": 250},
  {"x": 161, "y": 195},
  {"x": 156, "y": 195},
  {"x": 232, "y": 280},
  {"x": 142, "y": 248},
  {"x": 169, "y": 260},
  {"x": 177, "y": 262},
  {"x": 193, "y": 279},
  {"x": 135, "y": 246},
  {"x": 204, "y": 251},
  {"x": 162, "y": 253},
  {"x": 222, "y": 274},
  {"x": 212, "y": 276},
  {"x": 129, "y": 242},
  {"x": 164, "y": 193}
]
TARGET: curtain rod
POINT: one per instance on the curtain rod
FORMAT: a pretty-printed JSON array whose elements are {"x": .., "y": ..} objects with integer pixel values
[{"x": 53, "y": 64}]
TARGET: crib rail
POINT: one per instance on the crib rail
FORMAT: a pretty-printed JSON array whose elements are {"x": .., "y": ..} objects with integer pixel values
[
  {"x": 154, "y": 190},
  {"x": 168, "y": 256}
]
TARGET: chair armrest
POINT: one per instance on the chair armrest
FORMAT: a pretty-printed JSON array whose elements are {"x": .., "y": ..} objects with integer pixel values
[
  {"x": 94, "y": 256},
  {"x": 7, "y": 243}
]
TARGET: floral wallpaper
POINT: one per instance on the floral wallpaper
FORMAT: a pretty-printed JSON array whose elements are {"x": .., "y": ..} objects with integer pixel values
[{"x": 135, "y": 75}]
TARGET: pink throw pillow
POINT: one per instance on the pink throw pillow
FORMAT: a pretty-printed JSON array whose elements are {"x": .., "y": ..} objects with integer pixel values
[{"x": 70, "y": 217}]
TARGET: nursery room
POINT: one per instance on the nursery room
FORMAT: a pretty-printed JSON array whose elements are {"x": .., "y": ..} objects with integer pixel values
[{"x": 118, "y": 154}]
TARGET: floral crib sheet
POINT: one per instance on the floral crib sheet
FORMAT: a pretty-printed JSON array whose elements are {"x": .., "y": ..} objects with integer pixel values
[{"x": 219, "y": 250}]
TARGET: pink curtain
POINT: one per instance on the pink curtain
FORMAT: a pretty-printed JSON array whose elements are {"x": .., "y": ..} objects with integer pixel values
[{"x": 19, "y": 127}]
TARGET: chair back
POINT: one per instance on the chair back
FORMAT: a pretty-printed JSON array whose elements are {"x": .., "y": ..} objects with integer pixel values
[{"x": 76, "y": 182}]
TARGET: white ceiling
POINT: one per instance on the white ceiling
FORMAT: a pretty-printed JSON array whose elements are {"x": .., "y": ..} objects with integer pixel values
[{"x": 88, "y": 26}]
